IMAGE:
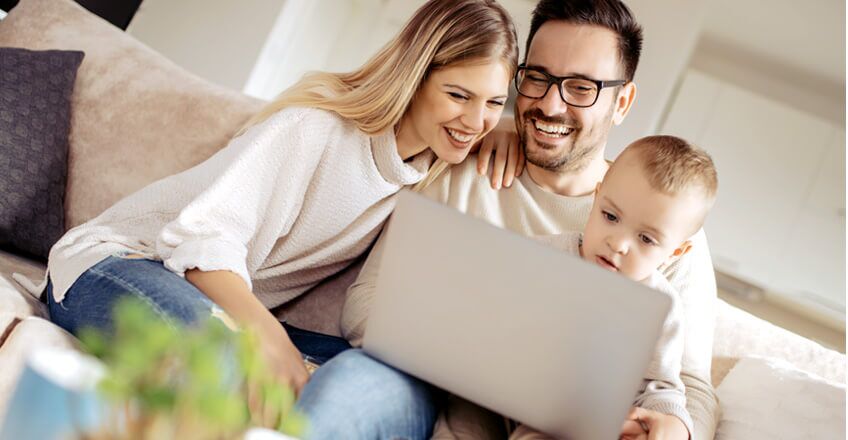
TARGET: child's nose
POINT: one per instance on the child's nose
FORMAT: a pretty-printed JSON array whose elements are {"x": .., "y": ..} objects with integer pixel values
[{"x": 617, "y": 244}]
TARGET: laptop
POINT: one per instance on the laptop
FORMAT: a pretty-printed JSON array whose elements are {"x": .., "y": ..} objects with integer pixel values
[{"x": 511, "y": 324}]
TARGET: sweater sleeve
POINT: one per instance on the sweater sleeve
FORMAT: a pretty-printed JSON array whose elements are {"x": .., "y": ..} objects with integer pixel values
[
  {"x": 662, "y": 389},
  {"x": 250, "y": 194},
  {"x": 693, "y": 278}
]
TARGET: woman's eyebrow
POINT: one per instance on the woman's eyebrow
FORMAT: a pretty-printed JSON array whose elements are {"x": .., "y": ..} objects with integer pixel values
[{"x": 469, "y": 92}]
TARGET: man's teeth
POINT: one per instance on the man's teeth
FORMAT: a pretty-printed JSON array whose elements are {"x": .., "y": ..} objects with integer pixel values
[
  {"x": 460, "y": 137},
  {"x": 555, "y": 130}
]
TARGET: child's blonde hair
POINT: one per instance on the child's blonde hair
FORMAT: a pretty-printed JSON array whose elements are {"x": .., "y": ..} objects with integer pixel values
[{"x": 673, "y": 166}]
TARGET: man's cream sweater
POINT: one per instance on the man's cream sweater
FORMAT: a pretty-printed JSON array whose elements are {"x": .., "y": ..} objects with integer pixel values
[
  {"x": 287, "y": 204},
  {"x": 530, "y": 210}
]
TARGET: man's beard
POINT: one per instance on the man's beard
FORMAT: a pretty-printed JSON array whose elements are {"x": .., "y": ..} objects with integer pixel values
[{"x": 584, "y": 146}]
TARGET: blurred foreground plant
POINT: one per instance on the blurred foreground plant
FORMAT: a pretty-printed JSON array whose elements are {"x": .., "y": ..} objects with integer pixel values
[{"x": 167, "y": 381}]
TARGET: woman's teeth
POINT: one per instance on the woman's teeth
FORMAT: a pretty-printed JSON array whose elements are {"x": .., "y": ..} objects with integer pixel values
[
  {"x": 464, "y": 138},
  {"x": 552, "y": 130}
]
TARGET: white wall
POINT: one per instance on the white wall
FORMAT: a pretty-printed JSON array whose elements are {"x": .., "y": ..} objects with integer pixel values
[
  {"x": 671, "y": 29},
  {"x": 216, "y": 39},
  {"x": 779, "y": 220},
  {"x": 338, "y": 36}
]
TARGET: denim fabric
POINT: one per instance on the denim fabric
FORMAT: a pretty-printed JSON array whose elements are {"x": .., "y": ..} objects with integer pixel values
[
  {"x": 89, "y": 301},
  {"x": 316, "y": 347},
  {"x": 354, "y": 396}
]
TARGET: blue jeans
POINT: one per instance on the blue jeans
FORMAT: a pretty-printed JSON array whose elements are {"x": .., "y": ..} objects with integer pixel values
[
  {"x": 352, "y": 396},
  {"x": 90, "y": 300}
]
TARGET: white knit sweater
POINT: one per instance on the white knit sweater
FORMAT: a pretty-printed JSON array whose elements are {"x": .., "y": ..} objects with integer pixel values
[
  {"x": 287, "y": 204},
  {"x": 530, "y": 210}
]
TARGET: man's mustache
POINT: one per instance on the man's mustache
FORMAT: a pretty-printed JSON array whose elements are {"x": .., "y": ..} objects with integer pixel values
[{"x": 535, "y": 113}]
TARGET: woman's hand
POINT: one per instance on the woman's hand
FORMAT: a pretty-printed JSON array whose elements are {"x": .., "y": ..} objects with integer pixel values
[
  {"x": 509, "y": 156},
  {"x": 285, "y": 365},
  {"x": 283, "y": 359},
  {"x": 231, "y": 293},
  {"x": 644, "y": 424}
]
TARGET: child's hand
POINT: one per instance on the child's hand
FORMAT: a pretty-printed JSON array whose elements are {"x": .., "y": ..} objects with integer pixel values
[{"x": 642, "y": 424}]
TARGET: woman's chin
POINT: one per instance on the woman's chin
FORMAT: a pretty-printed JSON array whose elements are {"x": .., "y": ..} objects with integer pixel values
[
  {"x": 455, "y": 159},
  {"x": 453, "y": 155}
]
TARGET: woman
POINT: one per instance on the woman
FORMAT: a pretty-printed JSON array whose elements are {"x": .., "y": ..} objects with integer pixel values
[{"x": 302, "y": 191}]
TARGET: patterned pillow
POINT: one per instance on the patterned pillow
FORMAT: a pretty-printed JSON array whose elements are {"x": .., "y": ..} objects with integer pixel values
[{"x": 35, "y": 117}]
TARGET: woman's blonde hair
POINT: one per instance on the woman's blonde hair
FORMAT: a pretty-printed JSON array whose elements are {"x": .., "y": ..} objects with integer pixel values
[{"x": 375, "y": 97}]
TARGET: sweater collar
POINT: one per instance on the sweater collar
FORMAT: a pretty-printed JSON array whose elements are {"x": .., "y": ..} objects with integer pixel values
[{"x": 392, "y": 167}]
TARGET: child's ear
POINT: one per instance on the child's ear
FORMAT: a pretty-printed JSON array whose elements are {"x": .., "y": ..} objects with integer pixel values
[
  {"x": 597, "y": 188},
  {"x": 683, "y": 249}
]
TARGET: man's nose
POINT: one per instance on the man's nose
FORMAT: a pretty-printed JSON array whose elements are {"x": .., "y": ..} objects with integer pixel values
[{"x": 552, "y": 104}]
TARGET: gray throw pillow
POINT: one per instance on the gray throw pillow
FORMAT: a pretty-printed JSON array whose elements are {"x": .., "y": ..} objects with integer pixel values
[{"x": 35, "y": 118}]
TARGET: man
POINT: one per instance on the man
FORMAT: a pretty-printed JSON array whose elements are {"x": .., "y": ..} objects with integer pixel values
[
  {"x": 563, "y": 125},
  {"x": 575, "y": 84}
]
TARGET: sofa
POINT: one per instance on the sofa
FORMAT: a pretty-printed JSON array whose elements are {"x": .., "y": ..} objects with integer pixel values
[{"x": 137, "y": 117}]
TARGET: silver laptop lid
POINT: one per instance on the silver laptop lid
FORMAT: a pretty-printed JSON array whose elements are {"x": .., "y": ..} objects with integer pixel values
[{"x": 511, "y": 324}]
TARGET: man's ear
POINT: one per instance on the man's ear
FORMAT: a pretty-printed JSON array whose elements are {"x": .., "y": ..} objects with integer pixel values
[{"x": 623, "y": 102}]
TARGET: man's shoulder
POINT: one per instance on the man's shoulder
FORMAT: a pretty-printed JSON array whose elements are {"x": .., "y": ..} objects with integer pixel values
[
  {"x": 459, "y": 178},
  {"x": 466, "y": 170}
]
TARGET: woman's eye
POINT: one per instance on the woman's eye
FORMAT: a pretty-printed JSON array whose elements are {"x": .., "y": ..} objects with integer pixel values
[
  {"x": 458, "y": 96},
  {"x": 497, "y": 103},
  {"x": 609, "y": 216}
]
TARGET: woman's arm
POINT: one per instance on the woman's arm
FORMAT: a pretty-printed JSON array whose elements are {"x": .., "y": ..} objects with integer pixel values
[{"x": 230, "y": 292}]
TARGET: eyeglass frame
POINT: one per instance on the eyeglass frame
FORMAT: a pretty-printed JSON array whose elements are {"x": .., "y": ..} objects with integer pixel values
[{"x": 558, "y": 80}]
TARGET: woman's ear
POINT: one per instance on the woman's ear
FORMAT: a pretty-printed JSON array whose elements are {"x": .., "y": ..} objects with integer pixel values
[{"x": 623, "y": 102}]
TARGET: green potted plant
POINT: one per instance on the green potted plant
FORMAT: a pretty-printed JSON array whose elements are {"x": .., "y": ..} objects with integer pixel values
[{"x": 166, "y": 381}]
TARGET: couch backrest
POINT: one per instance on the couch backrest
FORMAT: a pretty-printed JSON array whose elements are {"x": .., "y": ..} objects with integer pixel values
[{"x": 137, "y": 117}]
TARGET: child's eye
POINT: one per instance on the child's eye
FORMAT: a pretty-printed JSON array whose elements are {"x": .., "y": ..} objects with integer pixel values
[
  {"x": 609, "y": 216},
  {"x": 496, "y": 103},
  {"x": 646, "y": 239},
  {"x": 458, "y": 96}
]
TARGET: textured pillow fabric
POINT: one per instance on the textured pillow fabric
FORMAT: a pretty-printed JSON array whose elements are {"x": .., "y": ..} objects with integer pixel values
[
  {"x": 35, "y": 118},
  {"x": 766, "y": 398},
  {"x": 138, "y": 117},
  {"x": 739, "y": 334}
]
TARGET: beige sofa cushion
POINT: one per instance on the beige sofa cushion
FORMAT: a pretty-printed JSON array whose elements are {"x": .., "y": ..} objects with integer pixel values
[
  {"x": 739, "y": 334},
  {"x": 137, "y": 117},
  {"x": 15, "y": 303}
]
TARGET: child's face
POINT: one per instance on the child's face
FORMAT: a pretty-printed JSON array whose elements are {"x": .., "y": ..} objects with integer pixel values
[{"x": 633, "y": 229}]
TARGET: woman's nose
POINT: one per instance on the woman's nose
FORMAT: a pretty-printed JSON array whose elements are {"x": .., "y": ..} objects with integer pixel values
[{"x": 475, "y": 117}]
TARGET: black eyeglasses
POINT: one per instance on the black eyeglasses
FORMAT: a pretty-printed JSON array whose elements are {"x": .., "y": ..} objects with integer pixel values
[{"x": 575, "y": 91}]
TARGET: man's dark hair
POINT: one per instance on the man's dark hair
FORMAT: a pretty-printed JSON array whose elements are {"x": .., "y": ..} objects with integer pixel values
[{"x": 611, "y": 14}]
